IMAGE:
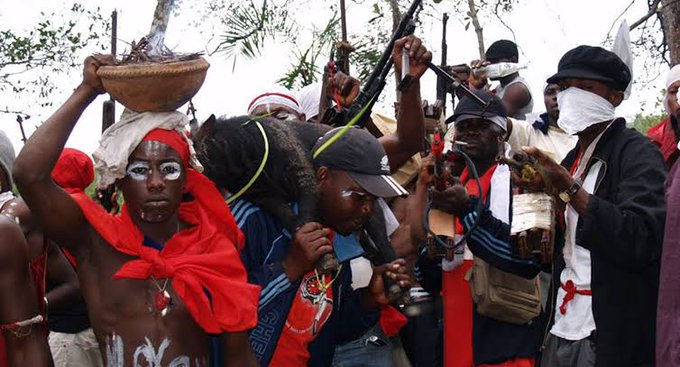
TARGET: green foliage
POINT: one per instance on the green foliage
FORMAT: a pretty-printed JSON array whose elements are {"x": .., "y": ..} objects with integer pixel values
[
  {"x": 366, "y": 55},
  {"x": 304, "y": 70},
  {"x": 642, "y": 123},
  {"x": 48, "y": 47},
  {"x": 248, "y": 26}
]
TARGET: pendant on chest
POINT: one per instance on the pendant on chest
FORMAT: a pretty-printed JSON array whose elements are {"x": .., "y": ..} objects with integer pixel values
[{"x": 162, "y": 301}]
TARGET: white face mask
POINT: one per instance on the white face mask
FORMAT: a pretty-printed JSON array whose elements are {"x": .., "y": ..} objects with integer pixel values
[{"x": 580, "y": 109}]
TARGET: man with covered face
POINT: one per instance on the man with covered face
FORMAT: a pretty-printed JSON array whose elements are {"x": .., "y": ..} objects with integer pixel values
[
  {"x": 164, "y": 276},
  {"x": 606, "y": 274}
]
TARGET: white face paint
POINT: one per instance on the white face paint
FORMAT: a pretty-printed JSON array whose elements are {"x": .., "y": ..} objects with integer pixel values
[
  {"x": 171, "y": 170},
  {"x": 138, "y": 170},
  {"x": 145, "y": 355},
  {"x": 114, "y": 351},
  {"x": 141, "y": 170}
]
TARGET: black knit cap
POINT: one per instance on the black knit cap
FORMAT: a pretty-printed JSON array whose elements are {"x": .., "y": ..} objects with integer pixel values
[
  {"x": 501, "y": 49},
  {"x": 593, "y": 63}
]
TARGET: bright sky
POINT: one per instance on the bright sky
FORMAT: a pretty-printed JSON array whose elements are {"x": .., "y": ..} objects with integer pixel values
[{"x": 544, "y": 29}]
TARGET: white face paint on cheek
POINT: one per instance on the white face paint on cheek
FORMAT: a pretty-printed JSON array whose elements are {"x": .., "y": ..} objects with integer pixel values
[
  {"x": 171, "y": 170},
  {"x": 138, "y": 170}
]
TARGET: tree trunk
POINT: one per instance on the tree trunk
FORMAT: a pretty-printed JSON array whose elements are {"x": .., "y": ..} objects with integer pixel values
[
  {"x": 396, "y": 13},
  {"x": 396, "y": 17},
  {"x": 670, "y": 13},
  {"x": 159, "y": 25},
  {"x": 478, "y": 29}
]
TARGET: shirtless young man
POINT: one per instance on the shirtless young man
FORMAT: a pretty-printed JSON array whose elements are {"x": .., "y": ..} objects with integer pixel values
[{"x": 164, "y": 276}]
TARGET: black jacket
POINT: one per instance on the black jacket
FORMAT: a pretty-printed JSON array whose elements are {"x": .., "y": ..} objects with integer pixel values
[{"x": 623, "y": 229}]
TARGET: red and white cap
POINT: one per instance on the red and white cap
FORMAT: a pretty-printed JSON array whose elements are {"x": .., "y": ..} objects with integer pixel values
[{"x": 280, "y": 98}]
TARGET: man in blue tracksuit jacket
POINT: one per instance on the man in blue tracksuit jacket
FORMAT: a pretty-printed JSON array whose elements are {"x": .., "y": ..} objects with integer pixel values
[{"x": 303, "y": 315}]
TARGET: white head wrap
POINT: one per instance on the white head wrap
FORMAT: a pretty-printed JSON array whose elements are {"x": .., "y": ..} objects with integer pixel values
[
  {"x": 123, "y": 137},
  {"x": 672, "y": 77},
  {"x": 309, "y": 98},
  {"x": 276, "y": 95}
]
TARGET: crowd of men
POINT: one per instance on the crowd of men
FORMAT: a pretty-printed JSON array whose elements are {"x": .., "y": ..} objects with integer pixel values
[{"x": 244, "y": 242}]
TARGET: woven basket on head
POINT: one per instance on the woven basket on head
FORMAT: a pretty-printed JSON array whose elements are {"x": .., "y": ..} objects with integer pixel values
[{"x": 154, "y": 87}]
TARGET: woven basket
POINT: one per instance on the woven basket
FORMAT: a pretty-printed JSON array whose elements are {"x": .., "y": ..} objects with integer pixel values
[{"x": 154, "y": 87}]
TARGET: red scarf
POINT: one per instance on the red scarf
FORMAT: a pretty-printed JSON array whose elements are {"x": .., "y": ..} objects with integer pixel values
[
  {"x": 202, "y": 258},
  {"x": 456, "y": 291},
  {"x": 664, "y": 137},
  {"x": 74, "y": 172}
]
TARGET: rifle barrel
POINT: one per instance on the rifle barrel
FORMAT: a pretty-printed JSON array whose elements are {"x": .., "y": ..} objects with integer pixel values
[
  {"x": 441, "y": 88},
  {"x": 398, "y": 33},
  {"x": 343, "y": 21},
  {"x": 456, "y": 84},
  {"x": 114, "y": 31}
]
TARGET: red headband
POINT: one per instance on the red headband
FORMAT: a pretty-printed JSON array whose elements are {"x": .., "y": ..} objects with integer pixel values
[{"x": 173, "y": 139}]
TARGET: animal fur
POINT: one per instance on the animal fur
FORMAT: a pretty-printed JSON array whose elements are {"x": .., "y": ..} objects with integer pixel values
[{"x": 231, "y": 151}]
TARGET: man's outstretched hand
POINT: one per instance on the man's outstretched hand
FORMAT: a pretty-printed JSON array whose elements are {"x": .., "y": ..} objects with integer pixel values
[{"x": 552, "y": 177}]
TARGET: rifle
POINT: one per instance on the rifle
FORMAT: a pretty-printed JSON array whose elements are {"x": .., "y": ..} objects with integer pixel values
[
  {"x": 362, "y": 105},
  {"x": 106, "y": 197},
  {"x": 343, "y": 47},
  {"x": 109, "y": 107},
  {"x": 441, "y": 84},
  {"x": 376, "y": 244}
]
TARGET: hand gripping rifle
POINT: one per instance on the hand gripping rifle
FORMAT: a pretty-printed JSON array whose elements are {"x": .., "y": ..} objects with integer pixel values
[{"x": 359, "y": 110}]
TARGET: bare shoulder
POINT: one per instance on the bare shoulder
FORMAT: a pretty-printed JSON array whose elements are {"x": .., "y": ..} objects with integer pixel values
[{"x": 17, "y": 210}]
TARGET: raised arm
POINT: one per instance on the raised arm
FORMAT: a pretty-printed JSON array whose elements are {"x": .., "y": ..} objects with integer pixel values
[
  {"x": 418, "y": 202},
  {"x": 55, "y": 210},
  {"x": 515, "y": 97},
  {"x": 410, "y": 134}
]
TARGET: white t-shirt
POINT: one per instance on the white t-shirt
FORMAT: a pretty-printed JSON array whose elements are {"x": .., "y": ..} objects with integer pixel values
[
  {"x": 578, "y": 322},
  {"x": 555, "y": 143}
]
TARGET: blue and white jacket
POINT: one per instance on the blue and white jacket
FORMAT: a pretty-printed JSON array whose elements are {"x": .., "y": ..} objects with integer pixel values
[{"x": 266, "y": 246}]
